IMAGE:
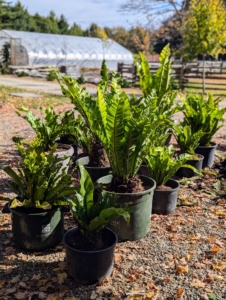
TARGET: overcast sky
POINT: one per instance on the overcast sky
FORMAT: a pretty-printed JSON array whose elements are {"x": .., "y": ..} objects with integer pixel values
[{"x": 83, "y": 12}]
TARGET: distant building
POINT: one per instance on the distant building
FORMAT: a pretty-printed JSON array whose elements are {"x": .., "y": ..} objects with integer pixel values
[{"x": 32, "y": 48}]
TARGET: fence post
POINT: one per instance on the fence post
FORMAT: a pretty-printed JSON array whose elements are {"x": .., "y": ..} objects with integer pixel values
[{"x": 182, "y": 76}]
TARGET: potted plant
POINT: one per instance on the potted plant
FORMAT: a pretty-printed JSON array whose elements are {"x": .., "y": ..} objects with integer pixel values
[
  {"x": 90, "y": 246},
  {"x": 162, "y": 165},
  {"x": 158, "y": 98},
  {"x": 207, "y": 116},
  {"x": 125, "y": 134},
  {"x": 97, "y": 162},
  {"x": 48, "y": 132},
  {"x": 37, "y": 210},
  {"x": 188, "y": 142}
]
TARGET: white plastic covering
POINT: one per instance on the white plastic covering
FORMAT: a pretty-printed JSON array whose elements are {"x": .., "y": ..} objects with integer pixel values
[{"x": 55, "y": 49}]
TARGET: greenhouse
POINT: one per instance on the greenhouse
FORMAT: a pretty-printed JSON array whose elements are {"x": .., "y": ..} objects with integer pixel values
[{"x": 31, "y": 48}]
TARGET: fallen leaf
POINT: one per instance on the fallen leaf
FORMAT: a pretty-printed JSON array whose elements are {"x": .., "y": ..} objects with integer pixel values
[
  {"x": 150, "y": 295},
  {"x": 182, "y": 269},
  {"x": 219, "y": 267},
  {"x": 2, "y": 282},
  {"x": 62, "y": 277},
  {"x": 20, "y": 295},
  {"x": 11, "y": 291},
  {"x": 197, "y": 283},
  {"x": 36, "y": 277},
  {"x": 42, "y": 295},
  {"x": 42, "y": 282},
  {"x": 214, "y": 248},
  {"x": 15, "y": 279},
  {"x": 180, "y": 293},
  {"x": 118, "y": 257},
  {"x": 22, "y": 284}
]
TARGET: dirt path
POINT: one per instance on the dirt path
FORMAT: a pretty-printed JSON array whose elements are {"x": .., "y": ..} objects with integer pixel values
[{"x": 35, "y": 84}]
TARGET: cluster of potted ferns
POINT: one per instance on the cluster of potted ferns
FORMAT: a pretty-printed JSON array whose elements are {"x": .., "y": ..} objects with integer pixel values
[{"x": 125, "y": 140}]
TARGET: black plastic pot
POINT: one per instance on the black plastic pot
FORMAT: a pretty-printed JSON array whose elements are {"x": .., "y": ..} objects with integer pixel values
[
  {"x": 36, "y": 229},
  {"x": 186, "y": 172},
  {"x": 63, "y": 157},
  {"x": 165, "y": 201},
  {"x": 89, "y": 267},
  {"x": 140, "y": 218},
  {"x": 94, "y": 172},
  {"x": 208, "y": 153},
  {"x": 65, "y": 140},
  {"x": 143, "y": 170}
]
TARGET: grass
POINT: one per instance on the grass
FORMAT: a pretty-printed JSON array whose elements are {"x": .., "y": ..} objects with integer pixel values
[{"x": 30, "y": 103}]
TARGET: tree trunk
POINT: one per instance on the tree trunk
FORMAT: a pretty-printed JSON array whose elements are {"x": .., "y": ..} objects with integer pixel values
[{"x": 203, "y": 73}]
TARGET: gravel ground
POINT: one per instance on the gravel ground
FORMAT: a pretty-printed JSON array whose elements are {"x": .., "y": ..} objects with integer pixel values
[{"x": 182, "y": 257}]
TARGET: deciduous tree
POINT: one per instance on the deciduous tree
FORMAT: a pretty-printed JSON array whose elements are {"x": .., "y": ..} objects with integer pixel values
[{"x": 204, "y": 30}]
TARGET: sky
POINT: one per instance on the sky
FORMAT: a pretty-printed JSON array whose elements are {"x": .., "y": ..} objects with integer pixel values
[{"x": 83, "y": 12}]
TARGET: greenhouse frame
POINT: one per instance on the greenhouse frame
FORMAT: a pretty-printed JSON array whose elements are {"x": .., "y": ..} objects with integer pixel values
[{"x": 32, "y": 48}]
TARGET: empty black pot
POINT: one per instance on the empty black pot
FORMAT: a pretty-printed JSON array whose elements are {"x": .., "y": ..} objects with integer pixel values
[
  {"x": 89, "y": 267},
  {"x": 165, "y": 201}
]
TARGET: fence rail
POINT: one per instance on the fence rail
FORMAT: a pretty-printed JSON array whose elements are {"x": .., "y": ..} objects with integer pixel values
[{"x": 187, "y": 75}]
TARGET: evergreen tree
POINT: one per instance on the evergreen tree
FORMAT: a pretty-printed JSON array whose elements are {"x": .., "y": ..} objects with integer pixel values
[
  {"x": 21, "y": 19},
  {"x": 63, "y": 25},
  {"x": 75, "y": 29},
  {"x": 52, "y": 21},
  {"x": 5, "y": 15}
]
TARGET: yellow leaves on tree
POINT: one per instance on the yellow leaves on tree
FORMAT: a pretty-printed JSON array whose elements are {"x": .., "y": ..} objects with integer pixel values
[{"x": 204, "y": 30}]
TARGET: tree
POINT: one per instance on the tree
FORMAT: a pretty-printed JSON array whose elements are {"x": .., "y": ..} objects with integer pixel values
[
  {"x": 63, "y": 25},
  {"x": 5, "y": 15},
  {"x": 76, "y": 30},
  {"x": 140, "y": 39},
  {"x": 150, "y": 8},
  {"x": 204, "y": 30}
]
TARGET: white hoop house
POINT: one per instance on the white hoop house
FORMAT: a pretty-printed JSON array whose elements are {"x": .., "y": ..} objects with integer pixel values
[{"x": 31, "y": 48}]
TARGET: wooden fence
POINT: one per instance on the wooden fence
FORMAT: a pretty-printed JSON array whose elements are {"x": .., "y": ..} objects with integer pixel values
[{"x": 188, "y": 76}]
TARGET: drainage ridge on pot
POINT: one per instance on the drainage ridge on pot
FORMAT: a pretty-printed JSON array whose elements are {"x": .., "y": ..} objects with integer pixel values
[
  {"x": 165, "y": 201},
  {"x": 208, "y": 153},
  {"x": 140, "y": 218},
  {"x": 37, "y": 229},
  {"x": 94, "y": 172},
  {"x": 89, "y": 267}
]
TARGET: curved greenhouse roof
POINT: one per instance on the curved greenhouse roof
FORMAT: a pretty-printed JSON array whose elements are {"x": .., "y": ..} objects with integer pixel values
[{"x": 54, "y": 49}]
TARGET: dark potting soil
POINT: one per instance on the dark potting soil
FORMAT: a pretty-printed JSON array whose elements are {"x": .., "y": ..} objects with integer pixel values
[
  {"x": 102, "y": 240},
  {"x": 132, "y": 185},
  {"x": 98, "y": 156},
  {"x": 163, "y": 188}
]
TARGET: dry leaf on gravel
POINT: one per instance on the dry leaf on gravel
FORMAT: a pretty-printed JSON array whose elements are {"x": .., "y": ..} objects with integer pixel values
[
  {"x": 180, "y": 293},
  {"x": 61, "y": 277},
  {"x": 197, "y": 283},
  {"x": 182, "y": 269}
]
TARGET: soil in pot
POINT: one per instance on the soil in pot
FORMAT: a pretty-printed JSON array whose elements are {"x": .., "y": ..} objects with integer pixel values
[
  {"x": 142, "y": 205},
  {"x": 165, "y": 198},
  {"x": 132, "y": 185},
  {"x": 186, "y": 172},
  {"x": 89, "y": 267},
  {"x": 35, "y": 229},
  {"x": 208, "y": 152},
  {"x": 94, "y": 172}
]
